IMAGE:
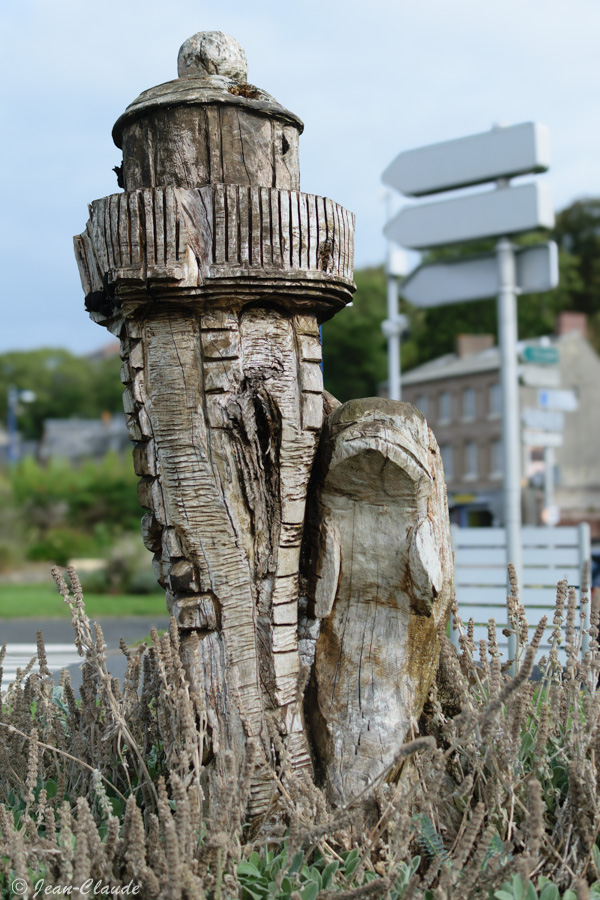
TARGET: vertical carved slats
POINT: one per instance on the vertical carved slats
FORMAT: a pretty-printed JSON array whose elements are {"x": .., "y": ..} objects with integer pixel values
[
  {"x": 231, "y": 210},
  {"x": 266, "y": 228},
  {"x": 243, "y": 215},
  {"x": 295, "y": 232},
  {"x": 87, "y": 278},
  {"x": 144, "y": 235},
  {"x": 136, "y": 240},
  {"x": 255, "y": 229},
  {"x": 147, "y": 207},
  {"x": 285, "y": 232},
  {"x": 304, "y": 237},
  {"x": 273, "y": 201},
  {"x": 220, "y": 227}
]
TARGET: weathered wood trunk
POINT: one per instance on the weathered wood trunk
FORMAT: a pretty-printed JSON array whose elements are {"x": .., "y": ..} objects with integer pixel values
[
  {"x": 379, "y": 568},
  {"x": 215, "y": 272}
]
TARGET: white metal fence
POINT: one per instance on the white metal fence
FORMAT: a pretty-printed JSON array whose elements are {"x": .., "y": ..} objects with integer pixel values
[{"x": 549, "y": 555}]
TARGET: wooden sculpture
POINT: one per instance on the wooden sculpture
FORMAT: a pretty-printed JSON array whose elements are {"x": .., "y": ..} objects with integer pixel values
[{"x": 215, "y": 271}]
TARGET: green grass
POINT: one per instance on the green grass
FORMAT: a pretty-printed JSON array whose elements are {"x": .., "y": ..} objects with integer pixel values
[{"x": 43, "y": 601}]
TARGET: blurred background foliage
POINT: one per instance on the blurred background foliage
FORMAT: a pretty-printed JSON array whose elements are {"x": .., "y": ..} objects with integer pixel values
[
  {"x": 65, "y": 385},
  {"x": 58, "y": 512}
]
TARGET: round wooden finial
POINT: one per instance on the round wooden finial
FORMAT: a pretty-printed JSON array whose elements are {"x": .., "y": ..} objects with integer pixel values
[{"x": 212, "y": 53}]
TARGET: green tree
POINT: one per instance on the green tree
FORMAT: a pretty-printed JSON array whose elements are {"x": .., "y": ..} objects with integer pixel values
[
  {"x": 65, "y": 385},
  {"x": 354, "y": 358},
  {"x": 577, "y": 233}
]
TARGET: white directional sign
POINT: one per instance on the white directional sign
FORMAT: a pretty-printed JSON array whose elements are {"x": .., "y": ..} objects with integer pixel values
[
  {"x": 503, "y": 211},
  {"x": 565, "y": 401},
  {"x": 542, "y": 438},
  {"x": 499, "y": 153},
  {"x": 544, "y": 419},
  {"x": 540, "y": 376},
  {"x": 476, "y": 278}
]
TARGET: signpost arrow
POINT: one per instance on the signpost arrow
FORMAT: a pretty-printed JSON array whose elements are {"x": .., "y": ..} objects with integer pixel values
[
  {"x": 540, "y": 354},
  {"x": 540, "y": 376},
  {"x": 504, "y": 211},
  {"x": 543, "y": 438},
  {"x": 543, "y": 419},
  {"x": 501, "y": 152},
  {"x": 565, "y": 401},
  {"x": 476, "y": 278}
]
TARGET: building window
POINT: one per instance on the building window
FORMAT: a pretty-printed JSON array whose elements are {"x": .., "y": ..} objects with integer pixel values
[
  {"x": 447, "y": 461},
  {"x": 471, "y": 469},
  {"x": 444, "y": 410},
  {"x": 422, "y": 403},
  {"x": 497, "y": 459},
  {"x": 468, "y": 404},
  {"x": 495, "y": 399}
]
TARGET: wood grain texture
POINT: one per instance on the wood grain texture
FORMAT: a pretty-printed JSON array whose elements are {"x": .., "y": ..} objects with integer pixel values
[
  {"x": 194, "y": 145},
  {"x": 379, "y": 567},
  {"x": 224, "y": 467},
  {"x": 215, "y": 271}
]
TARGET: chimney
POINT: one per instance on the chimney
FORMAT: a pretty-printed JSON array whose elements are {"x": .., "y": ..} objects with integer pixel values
[
  {"x": 468, "y": 344},
  {"x": 568, "y": 321}
]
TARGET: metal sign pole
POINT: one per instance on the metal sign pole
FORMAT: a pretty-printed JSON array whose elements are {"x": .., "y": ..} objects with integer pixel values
[
  {"x": 549, "y": 482},
  {"x": 13, "y": 435},
  {"x": 393, "y": 336},
  {"x": 507, "y": 338}
]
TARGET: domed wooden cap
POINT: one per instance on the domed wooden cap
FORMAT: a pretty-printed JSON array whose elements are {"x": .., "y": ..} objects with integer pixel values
[
  {"x": 208, "y": 126},
  {"x": 212, "y": 53}
]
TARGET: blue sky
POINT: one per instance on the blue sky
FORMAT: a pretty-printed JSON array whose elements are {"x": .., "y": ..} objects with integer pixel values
[{"x": 369, "y": 79}]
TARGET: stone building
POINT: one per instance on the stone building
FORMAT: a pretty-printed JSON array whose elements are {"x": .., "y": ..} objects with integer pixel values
[{"x": 460, "y": 396}]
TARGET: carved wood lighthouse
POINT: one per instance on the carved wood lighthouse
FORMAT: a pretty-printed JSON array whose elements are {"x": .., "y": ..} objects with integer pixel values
[{"x": 215, "y": 272}]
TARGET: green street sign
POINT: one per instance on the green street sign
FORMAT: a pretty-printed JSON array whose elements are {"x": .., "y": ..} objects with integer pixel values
[{"x": 545, "y": 356}]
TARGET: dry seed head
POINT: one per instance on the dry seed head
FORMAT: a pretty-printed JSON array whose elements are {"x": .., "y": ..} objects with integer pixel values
[
  {"x": 583, "y": 889},
  {"x": 156, "y": 856},
  {"x": 470, "y": 834},
  {"x": 6, "y": 823},
  {"x": 457, "y": 622},
  {"x": 19, "y": 858},
  {"x": 133, "y": 838},
  {"x": 50, "y": 823},
  {"x": 83, "y": 865},
  {"x": 101, "y": 795},
  {"x": 535, "y": 818},
  {"x": 32, "y": 767},
  {"x": 523, "y": 625},
  {"x": 41, "y": 654},
  {"x": 541, "y": 738},
  {"x": 539, "y": 633},
  {"x": 559, "y": 605}
]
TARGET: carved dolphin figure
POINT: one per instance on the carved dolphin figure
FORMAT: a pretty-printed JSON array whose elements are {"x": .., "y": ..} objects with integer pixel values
[{"x": 380, "y": 579}]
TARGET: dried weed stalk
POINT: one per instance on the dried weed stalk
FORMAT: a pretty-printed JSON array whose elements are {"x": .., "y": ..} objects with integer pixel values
[{"x": 501, "y": 783}]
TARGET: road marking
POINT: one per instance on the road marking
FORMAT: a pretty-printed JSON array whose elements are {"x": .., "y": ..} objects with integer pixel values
[{"x": 59, "y": 656}]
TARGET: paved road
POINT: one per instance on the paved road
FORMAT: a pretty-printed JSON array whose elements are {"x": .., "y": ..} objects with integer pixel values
[{"x": 20, "y": 637}]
